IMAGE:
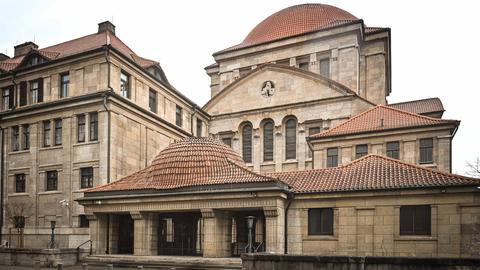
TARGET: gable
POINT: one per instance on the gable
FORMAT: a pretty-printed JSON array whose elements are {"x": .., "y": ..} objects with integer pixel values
[{"x": 290, "y": 85}]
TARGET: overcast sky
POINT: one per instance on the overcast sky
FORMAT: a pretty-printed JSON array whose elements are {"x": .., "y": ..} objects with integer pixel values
[{"x": 435, "y": 44}]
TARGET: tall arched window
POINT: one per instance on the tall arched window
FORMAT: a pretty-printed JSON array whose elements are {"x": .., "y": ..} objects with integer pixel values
[
  {"x": 268, "y": 141},
  {"x": 247, "y": 143},
  {"x": 291, "y": 139}
]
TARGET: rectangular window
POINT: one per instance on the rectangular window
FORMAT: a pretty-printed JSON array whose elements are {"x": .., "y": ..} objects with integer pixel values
[
  {"x": 19, "y": 222},
  {"x": 312, "y": 131},
  {"x": 415, "y": 220},
  {"x": 199, "y": 127},
  {"x": 320, "y": 221},
  {"x": 393, "y": 150},
  {"x": 93, "y": 126},
  {"x": 303, "y": 66},
  {"x": 227, "y": 141},
  {"x": 152, "y": 100},
  {"x": 426, "y": 151},
  {"x": 81, "y": 128},
  {"x": 15, "y": 138},
  {"x": 26, "y": 137},
  {"x": 58, "y": 131},
  {"x": 64, "y": 85},
  {"x": 83, "y": 221},
  {"x": 86, "y": 177},
  {"x": 23, "y": 93},
  {"x": 47, "y": 131},
  {"x": 52, "y": 181},
  {"x": 20, "y": 183},
  {"x": 178, "y": 116},
  {"x": 7, "y": 98},
  {"x": 34, "y": 92},
  {"x": 125, "y": 84},
  {"x": 325, "y": 67},
  {"x": 361, "y": 150},
  {"x": 332, "y": 157}
]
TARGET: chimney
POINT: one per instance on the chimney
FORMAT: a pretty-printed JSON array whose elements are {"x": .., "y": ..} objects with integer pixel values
[
  {"x": 106, "y": 26},
  {"x": 24, "y": 48},
  {"x": 3, "y": 57}
]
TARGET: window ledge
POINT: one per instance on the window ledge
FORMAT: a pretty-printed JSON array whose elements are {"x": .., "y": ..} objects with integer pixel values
[
  {"x": 415, "y": 238},
  {"x": 19, "y": 152},
  {"x": 290, "y": 161},
  {"x": 50, "y": 148},
  {"x": 265, "y": 163},
  {"x": 18, "y": 194},
  {"x": 50, "y": 192},
  {"x": 428, "y": 165},
  {"x": 86, "y": 143},
  {"x": 320, "y": 238}
]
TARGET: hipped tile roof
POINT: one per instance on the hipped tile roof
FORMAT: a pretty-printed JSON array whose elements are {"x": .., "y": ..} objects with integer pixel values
[
  {"x": 421, "y": 106},
  {"x": 380, "y": 118},
  {"x": 79, "y": 45},
  {"x": 187, "y": 163},
  {"x": 372, "y": 172}
]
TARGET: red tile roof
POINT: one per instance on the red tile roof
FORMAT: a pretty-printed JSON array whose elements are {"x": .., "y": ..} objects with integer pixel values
[
  {"x": 372, "y": 172},
  {"x": 187, "y": 163},
  {"x": 421, "y": 106},
  {"x": 80, "y": 45},
  {"x": 380, "y": 118}
]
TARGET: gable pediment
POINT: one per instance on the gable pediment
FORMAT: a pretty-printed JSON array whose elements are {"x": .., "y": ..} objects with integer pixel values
[{"x": 274, "y": 85}]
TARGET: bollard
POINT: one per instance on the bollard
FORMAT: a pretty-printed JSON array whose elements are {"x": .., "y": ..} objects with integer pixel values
[
  {"x": 110, "y": 266},
  {"x": 84, "y": 266},
  {"x": 36, "y": 265},
  {"x": 59, "y": 266}
]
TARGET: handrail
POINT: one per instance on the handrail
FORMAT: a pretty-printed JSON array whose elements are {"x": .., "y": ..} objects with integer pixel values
[
  {"x": 78, "y": 249},
  {"x": 259, "y": 245}
]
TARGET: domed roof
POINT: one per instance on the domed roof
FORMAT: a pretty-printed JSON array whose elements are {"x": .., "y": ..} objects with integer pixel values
[
  {"x": 297, "y": 20},
  {"x": 189, "y": 162}
]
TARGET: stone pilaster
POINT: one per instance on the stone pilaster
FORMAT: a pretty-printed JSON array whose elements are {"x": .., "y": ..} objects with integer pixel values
[
  {"x": 217, "y": 233},
  {"x": 275, "y": 229},
  {"x": 98, "y": 232},
  {"x": 145, "y": 233}
]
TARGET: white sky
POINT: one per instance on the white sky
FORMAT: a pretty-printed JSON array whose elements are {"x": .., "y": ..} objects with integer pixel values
[{"x": 435, "y": 44}]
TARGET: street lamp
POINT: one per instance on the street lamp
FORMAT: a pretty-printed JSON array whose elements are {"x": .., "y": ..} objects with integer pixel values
[
  {"x": 52, "y": 238},
  {"x": 250, "y": 220}
]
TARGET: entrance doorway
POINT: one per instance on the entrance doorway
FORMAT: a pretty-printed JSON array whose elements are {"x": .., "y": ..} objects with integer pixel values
[
  {"x": 240, "y": 232},
  {"x": 125, "y": 234},
  {"x": 180, "y": 234}
]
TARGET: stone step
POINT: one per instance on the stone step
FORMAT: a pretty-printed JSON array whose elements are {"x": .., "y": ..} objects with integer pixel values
[{"x": 165, "y": 262}]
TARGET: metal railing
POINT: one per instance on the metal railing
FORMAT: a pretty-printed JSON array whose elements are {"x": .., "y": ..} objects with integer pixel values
[{"x": 78, "y": 249}]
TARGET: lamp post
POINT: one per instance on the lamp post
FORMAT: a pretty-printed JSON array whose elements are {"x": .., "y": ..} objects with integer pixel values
[
  {"x": 52, "y": 237},
  {"x": 250, "y": 220}
]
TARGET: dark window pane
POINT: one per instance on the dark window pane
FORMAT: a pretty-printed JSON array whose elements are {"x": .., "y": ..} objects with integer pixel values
[
  {"x": 426, "y": 151},
  {"x": 415, "y": 220},
  {"x": 332, "y": 157},
  {"x": 178, "y": 116},
  {"x": 247, "y": 143},
  {"x": 93, "y": 126},
  {"x": 46, "y": 133},
  {"x": 86, "y": 177},
  {"x": 393, "y": 150},
  {"x": 325, "y": 67},
  {"x": 268, "y": 141},
  {"x": 64, "y": 85},
  {"x": 20, "y": 183},
  {"x": 199, "y": 127},
  {"x": 58, "y": 132},
  {"x": 83, "y": 222},
  {"x": 26, "y": 137},
  {"x": 227, "y": 141},
  {"x": 125, "y": 84},
  {"x": 291, "y": 139},
  {"x": 23, "y": 93},
  {"x": 320, "y": 221},
  {"x": 52, "y": 180},
  {"x": 361, "y": 150},
  {"x": 303, "y": 66},
  {"x": 152, "y": 100},
  {"x": 15, "y": 138},
  {"x": 81, "y": 128}
]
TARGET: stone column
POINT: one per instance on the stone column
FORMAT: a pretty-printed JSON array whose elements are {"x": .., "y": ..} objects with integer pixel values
[
  {"x": 98, "y": 232},
  {"x": 275, "y": 229},
  {"x": 443, "y": 153},
  {"x": 256, "y": 150},
  {"x": 217, "y": 233},
  {"x": 144, "y": 233}
]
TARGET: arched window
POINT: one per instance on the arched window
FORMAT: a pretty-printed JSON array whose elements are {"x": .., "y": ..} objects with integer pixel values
[
  {"x": 247, "y": 143},
  {"x": 291, "y": 139},
  {"x": 268, "y": 141}
]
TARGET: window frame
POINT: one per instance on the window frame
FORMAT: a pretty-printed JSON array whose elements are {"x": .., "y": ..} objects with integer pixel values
[
  {"x": 25, "y": 137},
  {"x": 51, "y": 183},
  {"x": 199, "y": 128},
  {"x": 86, "y": 177},
  {"x": 6, "y": 98},
  {"x": 58, "y": 138},
  {"x": 247, "y": 145},
  {"x": 393, "y": 152},
  {"x": 324, "y": 60},
  {"x": 83, "y": 221},
  {"x": 359, "y": 154},
  {"x": 64, "y": 85},
  {"x": 15, "y": 138},
  {"x": 417, "y": 212},
  {"x": 81, "y": 128},
  {"x": 47, "y": 133},
  {"x": 332, "y": 158},
  {"x": 125, "y": 84},
  {"x": 268, "y": 142},
  {"x": 154, "y": 98},
  {"x": 426, "y": 150},
  {"x": 291, "y": 141},
  {"x": 178, "y": 116},
  {"x": 93, "y": 126},
  {"x": 20, "y": 181},
  {"x": 323, "y": 213},
  {"x": 34, "y": 91}
]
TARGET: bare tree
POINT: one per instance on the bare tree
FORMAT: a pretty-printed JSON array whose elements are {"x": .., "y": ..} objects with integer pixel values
[
  {"x": 16, "y": 212},
  {"x": 474, "y": 168}
]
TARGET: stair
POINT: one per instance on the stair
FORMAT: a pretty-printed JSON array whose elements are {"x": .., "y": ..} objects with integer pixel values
[{"x": 165, "y": 262}]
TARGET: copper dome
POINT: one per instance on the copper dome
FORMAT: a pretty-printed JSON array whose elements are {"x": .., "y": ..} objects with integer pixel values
[{"x": 297, "y": 20}]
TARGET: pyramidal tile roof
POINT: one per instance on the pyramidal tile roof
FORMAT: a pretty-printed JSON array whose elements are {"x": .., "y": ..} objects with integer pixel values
[
  {"x": 79, "y": 45},
  {"x": 371, "y": 172},
  {"x": 421, "y": 106},
  {"x": 187, "y": 163},
  {"x": 381, "y": 118}
]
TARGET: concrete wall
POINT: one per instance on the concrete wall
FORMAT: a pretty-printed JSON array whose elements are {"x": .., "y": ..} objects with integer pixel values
[
  {"x": 41, "y": 257},
  {"x": 293, "y": 262}
]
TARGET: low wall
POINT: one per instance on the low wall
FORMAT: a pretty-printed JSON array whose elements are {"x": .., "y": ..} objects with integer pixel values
[
  {"x": 293, "y": 262},
  {"x": 46, "y": 257}
]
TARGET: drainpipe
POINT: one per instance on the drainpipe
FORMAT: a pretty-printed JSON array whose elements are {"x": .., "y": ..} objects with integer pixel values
[
  {"x": 105, "y": 97},
  {"x": 191, "y": 120},
  {"x": 358, "y": 69},
  {"x": 290, "y": 197},
  {"x": 2, "y": 168}
]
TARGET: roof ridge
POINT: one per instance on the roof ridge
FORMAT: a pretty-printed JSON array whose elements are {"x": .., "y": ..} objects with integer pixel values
[
  {"x": 416, "y": 100},
  {"x": 68, "y": 41}
]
